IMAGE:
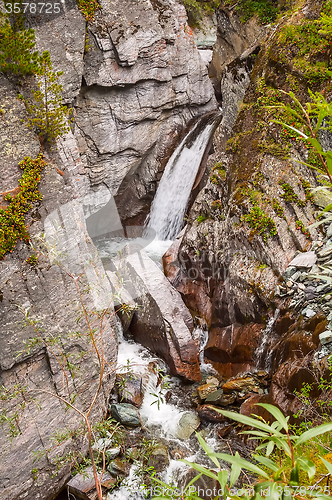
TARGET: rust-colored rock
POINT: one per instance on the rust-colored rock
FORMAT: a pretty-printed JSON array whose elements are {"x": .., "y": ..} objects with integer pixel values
[
  {"x": 209, "y": 386},
  {"x": 231, "y": 349},
  {"x": 130, "y": 389},
  {"x": 249, "y": 406},
  {"x": 209, "y": 413},
  {"x": 241, "y": 384}
]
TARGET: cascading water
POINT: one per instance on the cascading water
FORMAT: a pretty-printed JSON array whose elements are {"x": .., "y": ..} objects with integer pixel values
[
  {"x": 263, "y": 353},
  {"x": 160, "y": 421},
  {"x": 170, "y": 202}
]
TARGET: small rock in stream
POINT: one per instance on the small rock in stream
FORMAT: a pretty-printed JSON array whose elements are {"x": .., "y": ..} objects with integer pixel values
[
  {"x": 126, "y": 414},
  {"x": 188, "y": 423}
]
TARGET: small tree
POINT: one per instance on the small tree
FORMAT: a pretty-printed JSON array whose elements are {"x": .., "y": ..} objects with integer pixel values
[
  {"x": 47, "y": 113},
  {"x": 17, "y": 43}
]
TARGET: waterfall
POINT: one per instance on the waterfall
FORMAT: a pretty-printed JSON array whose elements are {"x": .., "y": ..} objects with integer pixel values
[
  {"x": 170, "y": 202},
  {"x": 263, "y": 354}
]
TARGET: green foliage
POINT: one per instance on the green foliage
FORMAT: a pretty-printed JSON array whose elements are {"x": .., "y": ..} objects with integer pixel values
[
  {"x": 12, "y": 225},
  {"x": 260, "y": 222},
  {"x": 299, "y": 225},
  {"x": 278, "y": 208},
  {"x": 311, "y": 39},
  {"x": 164, "y": 385},
  {"x": 47, "y": 113},
  {"x": 265, "y": 10},
  {"x": 273, "y": 480},
  {"x": 197, "y": 8},
  {"x": 313, "y": 116},
  {"x": 202, "y": 218},
  {"x": 32, "y": 260},
  {"x": 88, "y": 8},
  {"x": 289, "y": 195},
  {"x": 16, "y": 44}
]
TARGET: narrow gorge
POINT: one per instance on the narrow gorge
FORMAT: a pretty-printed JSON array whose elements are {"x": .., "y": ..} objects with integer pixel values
[{"x": 163, "y": 252}]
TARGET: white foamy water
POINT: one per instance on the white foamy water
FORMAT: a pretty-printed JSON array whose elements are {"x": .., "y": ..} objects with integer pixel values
[
  {"x": 163, "y": 418},
  {"x": 170, "y": 202}
]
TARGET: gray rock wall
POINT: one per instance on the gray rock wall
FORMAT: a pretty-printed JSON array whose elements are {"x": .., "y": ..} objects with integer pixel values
[{"x": 135, "y": 79}]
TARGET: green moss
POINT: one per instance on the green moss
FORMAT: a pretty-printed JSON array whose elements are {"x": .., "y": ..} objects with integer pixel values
[
  {"x": 274, "y": 149},
  {"x": 88, "y": 8},
  {"x": 308, "y": 46},
  {"x": 307, "y": 189},
  {"x": 32, "y": 260},
  {"x": 278, "y": 208},
  {"x": 289, "y": 195},
  {"x": 299, "y": 225},
  {"x": 258, "y": 179},
  {"x": 202, "y": 218},
  {"x": 218, "y": 175},
  {"x": 12, "y": 225},
  {"x": 260, "y": 222},
  {"x": 265, "y": 10}
]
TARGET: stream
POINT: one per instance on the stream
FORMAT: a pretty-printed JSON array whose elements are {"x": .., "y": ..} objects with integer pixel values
[{"x": 162, "y": 421}]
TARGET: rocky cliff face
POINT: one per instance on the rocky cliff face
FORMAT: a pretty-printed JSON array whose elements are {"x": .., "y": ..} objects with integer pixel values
[
  {"x": 246, "y": 226},
  {"x": 135, "y": 81}
]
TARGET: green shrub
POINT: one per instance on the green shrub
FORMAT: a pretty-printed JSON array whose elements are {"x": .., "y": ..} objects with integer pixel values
[
  {"x": 265, "y": 10},
  {"x": 88, "y": 8},
  {"x": 260, "y": 222},
  {"x": 12, "y": 224},
  {"x": 196, "y": 9}
]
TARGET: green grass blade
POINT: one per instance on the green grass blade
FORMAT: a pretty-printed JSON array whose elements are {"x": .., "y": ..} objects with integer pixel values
[
  {"x": 252, "y": 422},
  {"x": 276, "y": 413},
  {"x": 311, "y": 433},
  {"x": 244, "y": 464}
]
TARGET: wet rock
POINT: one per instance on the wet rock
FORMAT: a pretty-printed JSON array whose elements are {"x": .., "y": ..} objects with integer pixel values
[
  {"x": 308, "y": 312},
  {"x": 159, "y": 459},
  {"x": 325, "y": 337},
  {"x": 126, "y": 414},
  {"x": 83, "y": 485},
  {"x": 305, "y": 259},
  {"x": 205, "y": 389},
  {"x": 290, "y": 271},
  {"x": 220, "y": 399},
  {"x": 231, "y": 349},
  {"x": 112, "y": 453},
  {"x": 249, "y": 407},
  {"x": 130, "y": 389},
  {"x": 238, "y": 384},
  {"x": 188, "y": 423},
  {"x": 214, "y": 396},
  {"x": 161, "y": 322},
  {"x": 119, "y": 468},
  {"x": 210, "y": 413}
]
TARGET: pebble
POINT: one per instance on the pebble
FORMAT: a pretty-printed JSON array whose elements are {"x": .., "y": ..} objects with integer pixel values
[
  {"x": 308, "y": 313},
  {"x": 325, "y": 337}
]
